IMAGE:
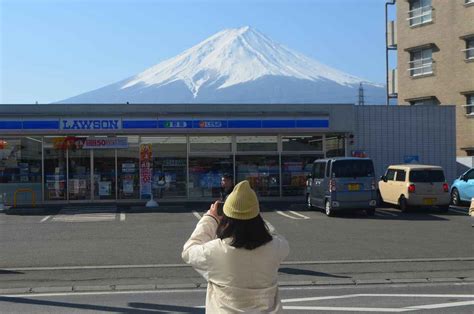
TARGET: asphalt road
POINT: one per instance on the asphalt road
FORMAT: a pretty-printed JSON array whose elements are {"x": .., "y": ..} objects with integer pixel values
[
  {"x": 107, "y": 247},
  {"x": 432, "y": 298}
]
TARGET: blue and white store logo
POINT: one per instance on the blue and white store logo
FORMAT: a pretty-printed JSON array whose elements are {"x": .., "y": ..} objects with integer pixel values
[{"x": 91, "y": 124}]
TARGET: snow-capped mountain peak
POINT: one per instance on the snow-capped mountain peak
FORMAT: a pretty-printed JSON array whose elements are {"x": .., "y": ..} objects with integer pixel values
[{"x": 235, "y": 56}]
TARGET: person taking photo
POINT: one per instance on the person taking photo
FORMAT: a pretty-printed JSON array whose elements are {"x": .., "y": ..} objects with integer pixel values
[{"x": 237, "y": 256}]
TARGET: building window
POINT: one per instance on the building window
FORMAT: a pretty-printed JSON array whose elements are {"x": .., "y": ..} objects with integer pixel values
[
  {"x": 429, "y": 101},
  {"x": 469, "y": 51},
  {"x": 421, "y": 62},
  {"x": 420, "y": 12},
  {"x": 470, "y": 104}
]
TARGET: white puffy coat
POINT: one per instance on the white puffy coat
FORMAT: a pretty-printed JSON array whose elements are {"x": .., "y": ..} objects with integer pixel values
[{"x": 239, "y": 280}]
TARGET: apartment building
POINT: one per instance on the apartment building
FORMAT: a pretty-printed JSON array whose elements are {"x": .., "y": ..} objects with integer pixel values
[{"x": 434, "y": 40}]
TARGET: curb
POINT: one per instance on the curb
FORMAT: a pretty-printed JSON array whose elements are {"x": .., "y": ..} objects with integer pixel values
[{"x": 191, "y": 286}]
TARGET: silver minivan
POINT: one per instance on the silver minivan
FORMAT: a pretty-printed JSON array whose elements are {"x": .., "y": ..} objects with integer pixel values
[{"x": 342, "y": 183}]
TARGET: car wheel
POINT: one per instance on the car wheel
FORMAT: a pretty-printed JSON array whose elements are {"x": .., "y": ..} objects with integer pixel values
[
  {"x": 402, "y": 204},
  {"x": 328, "y": 208},
  {"x": 455, "y": 197},
  {"x": 309, "y": 205},
  {"x": 370, "y": 212}
]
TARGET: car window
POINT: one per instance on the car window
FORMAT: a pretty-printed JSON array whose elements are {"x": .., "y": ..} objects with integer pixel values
[
  {"x": 352, "y": 168},
  {"x": 318, "y": 170},
  {"x": 426, "y": 176},
  {"x": 470, "y": 175},
  {"x": 401, "y": 175},
  {"x": 390, "y": 175}
]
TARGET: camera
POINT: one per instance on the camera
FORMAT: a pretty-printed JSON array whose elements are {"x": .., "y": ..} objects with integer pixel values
[{"x": 220, "y": 208}]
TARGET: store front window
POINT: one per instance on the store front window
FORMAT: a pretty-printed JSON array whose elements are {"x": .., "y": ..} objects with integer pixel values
[
  {"x": 261, "y": 171},
  {"x": 205, "y": 175},
  {"x": 20, "y": 168},
  {"x": 168, "y": 166},
  {"x": 302, "y": 143},
  {"x": 210, "y": 144},
  {"x": 104, "y": 174},
  {"x": 79, "y": 169},
  {"x": 55, "y": 155},
  {"x": 335, "y": 145},
  {"x": 257, "y": 143},
  {"x": 294, "y": 172},
  {"x": 128, "y": 170}
]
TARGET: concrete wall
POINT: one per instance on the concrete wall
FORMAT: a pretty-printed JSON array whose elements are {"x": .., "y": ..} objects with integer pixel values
[{"x": 389, "y": 133}]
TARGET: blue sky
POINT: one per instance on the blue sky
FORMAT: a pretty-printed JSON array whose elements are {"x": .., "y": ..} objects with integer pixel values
[{"x": 55, "y": 49}]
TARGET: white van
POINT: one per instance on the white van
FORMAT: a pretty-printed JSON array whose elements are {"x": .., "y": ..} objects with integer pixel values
[{"x": 414, "y": 185}]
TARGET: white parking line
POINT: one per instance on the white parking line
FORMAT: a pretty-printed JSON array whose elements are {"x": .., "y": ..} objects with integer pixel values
[
  {"x": 122, "y": 216},
  {"x": 195, "y": 213},
  {"x": 286, "y": 215},
  {"x": 349, "y": 309},
  {"x": 45, "y": 218},
  {"x": 298, "y": 214},
  {"x": 387, "y": 212}
]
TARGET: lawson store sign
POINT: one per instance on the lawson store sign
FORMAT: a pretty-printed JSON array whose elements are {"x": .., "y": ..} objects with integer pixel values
[
  {"x": 91, "y": 124},
  {"x": 85, "y": 125}
]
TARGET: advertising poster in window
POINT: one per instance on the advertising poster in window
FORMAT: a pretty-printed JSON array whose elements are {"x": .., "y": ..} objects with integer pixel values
[
  {"x": 105, "y": 188},
  {"x": 145, "y": 169}
]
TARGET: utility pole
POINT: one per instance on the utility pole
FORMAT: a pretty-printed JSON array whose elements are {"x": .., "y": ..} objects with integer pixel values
[{"x": 361, "y": 95}]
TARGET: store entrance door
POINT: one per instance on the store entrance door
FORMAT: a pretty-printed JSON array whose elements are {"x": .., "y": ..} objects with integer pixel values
[
  {"x": 104, "y": 178},
  {"x": 79, "y": 175}
]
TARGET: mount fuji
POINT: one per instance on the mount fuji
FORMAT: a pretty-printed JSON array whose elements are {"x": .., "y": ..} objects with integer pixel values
[{"x": 238, "y": 65}]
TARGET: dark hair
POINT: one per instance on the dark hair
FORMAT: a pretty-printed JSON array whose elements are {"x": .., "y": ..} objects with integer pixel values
[
  {"x": 247, "y": 234},
  {"x": 228, "y": 176}
]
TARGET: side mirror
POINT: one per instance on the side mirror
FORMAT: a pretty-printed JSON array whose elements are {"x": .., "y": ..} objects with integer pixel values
[
  {"x": 464, "y": 178},
  {"x": 383, "y": 178}
]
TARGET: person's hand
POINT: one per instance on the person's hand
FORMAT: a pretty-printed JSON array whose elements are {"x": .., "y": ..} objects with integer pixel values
[{"x": 213, "y": 211}]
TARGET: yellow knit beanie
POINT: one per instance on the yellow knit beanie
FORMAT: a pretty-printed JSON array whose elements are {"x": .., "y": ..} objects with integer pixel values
[{"x": 242, "y": 203}]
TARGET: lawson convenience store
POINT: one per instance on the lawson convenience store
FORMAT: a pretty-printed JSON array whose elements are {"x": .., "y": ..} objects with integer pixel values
[{"x": 115, "y": 153}]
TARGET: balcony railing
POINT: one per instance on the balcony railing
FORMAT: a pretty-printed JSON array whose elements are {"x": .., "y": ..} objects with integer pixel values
[
  {"x": 420, "y": 16},
  {"x": 421, "y": 67}
]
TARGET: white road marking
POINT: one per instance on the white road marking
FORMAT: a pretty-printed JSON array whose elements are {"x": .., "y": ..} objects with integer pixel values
[
  {"x": 454, "y": 259},
  {"x": 387, "y": 212},
  {"x": 332, "y": 297},
  {"x": 122, "y": 216},
  {"x": 349, "y": 309},
  {"x": 196, "y": 214},
  {"x": 440, "y": 305},
  {"x": 45, "y": 218},
  {"x": 286, "y": 215},
  {"x": 298, "y": 214},
  {"x": 96, "y": 217}
]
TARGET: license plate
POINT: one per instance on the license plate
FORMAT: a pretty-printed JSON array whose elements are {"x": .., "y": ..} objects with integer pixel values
[
  {"x": 354, "y": 187},
  {"x": 429, "y": 201}
]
